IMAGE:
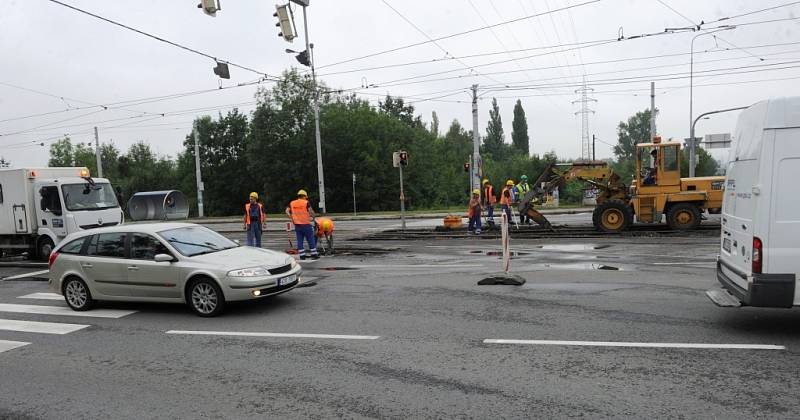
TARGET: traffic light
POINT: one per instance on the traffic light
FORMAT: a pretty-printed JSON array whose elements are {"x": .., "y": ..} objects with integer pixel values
[
  {"x": 466, "y": 166},
  {"x": 285, "y": 23},
  {"x": 222, "y": 70},
  {"x": 210, "y": 7},
  {"x": 404, "y": 158},
  {"x": 302, "y": 58}
]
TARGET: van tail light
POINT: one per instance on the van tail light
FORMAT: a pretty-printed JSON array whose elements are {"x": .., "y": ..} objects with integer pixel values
[
  {"x": 758, "y": 255},
  {"x": 52, "y": 259}
]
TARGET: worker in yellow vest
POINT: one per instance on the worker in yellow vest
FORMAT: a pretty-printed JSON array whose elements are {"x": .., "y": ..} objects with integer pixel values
[
  {"x": 302, "y": 214},
  {"x": 254, "y": 220}
]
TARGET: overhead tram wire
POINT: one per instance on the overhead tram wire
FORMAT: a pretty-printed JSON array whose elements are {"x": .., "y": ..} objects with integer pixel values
[
  {"x": 453, "y": 35},
  {"x": 166, "y": 41},
  {"x": 436, "y": 43}
]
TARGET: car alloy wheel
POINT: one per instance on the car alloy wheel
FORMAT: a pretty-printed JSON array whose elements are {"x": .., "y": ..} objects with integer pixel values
[
  {"x": 206, "y": 298},
  {"x": 77, "y": 295}
]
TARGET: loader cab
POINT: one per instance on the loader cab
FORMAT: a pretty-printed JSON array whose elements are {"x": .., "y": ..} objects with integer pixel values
[{"x": 657, "y": 165}]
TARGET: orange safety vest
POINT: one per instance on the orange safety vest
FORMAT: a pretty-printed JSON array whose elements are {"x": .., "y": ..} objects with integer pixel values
[
  {"x": 247, "y": 213},
  {"x": 503, "y": 199},
  {"x": 299, "y": 211},
  {"x": 488, "y": 194}
]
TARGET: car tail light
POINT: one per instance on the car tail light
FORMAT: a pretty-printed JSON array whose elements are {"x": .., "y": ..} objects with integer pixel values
[
  {"x": 758, "y": 255},
  {"x": 52, "y": 259}
]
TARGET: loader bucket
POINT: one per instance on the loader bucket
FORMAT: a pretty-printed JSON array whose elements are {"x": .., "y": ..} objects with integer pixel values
[{"x": 539, "y": 218}]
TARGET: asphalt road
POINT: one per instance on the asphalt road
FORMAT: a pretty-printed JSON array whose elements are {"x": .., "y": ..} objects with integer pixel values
[{"x": 402, "y": 335}]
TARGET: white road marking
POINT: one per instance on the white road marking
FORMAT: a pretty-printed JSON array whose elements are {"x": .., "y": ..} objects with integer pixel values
[
  {"x": 633, "y": 344},
  {"x": 280, "y": 335},
  {"x": 709, "y": 263},
  {"x": 39, "y": 327},
  {"x": 63, "y": 310},
  {"x": 44, "y": 296},
  {"x": 416, "y": 266},
  {"x": 6, "y": 345},
  {"x": 22, "y": 276}
]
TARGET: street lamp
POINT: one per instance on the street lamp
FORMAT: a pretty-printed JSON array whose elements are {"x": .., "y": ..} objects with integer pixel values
[{"x": 692, "y": 146}]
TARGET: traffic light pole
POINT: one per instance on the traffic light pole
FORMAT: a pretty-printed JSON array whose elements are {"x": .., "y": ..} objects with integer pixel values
[
  {"x": 320, "y": 172},
  {"x": 402, "y": 201}
]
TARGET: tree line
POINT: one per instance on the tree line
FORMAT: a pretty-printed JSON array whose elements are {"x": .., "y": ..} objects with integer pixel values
[{"x": 272, "y": 151}]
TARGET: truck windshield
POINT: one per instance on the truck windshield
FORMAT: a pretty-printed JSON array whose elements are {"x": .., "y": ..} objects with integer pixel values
[{"x": 89, "y": 197}]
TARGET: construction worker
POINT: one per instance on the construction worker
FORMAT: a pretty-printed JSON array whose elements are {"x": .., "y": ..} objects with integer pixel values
[
  {"x": 489, "y": 200},
  {"x": 522, "y": 188},
  {"x": 302, "y": 214},
  {"x": 506, "y": 198},
  {"x": 325, "y": 229},
  {"x": 254, "y": 220},
  {"x": 474, "y": 212}
]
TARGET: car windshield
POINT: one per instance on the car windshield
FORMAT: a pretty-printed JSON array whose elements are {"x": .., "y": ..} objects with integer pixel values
[
  {"x": 89, "y": 196},
  {"x": 196, "y": 240}
]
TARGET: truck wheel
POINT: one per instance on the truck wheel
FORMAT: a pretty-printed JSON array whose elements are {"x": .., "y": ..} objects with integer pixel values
[
  {"x": 44, "y": 248},
  {"x": 683, "y": 216},
  {"x": 612, "y": 216}
]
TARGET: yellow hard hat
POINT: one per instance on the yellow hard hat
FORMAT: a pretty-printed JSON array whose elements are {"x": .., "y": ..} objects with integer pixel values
[
  {"x": 485, "y": 181},
  {"x": 510, "y": 183},
  {"x": 254, "y": 195},
  {"x": 476, "y": 191},
  {"x": 303, "y": 193}
]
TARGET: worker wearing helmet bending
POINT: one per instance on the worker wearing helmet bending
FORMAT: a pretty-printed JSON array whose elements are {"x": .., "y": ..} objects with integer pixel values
[
  {"x": 506, "y": 198},
  {"x": 302, "y": 214},
  {"x": 474, "y": 212},
  {"x": 254, "y": 220},
  {"x": 489, "y": 200},
  {"x": 522, "y": 189}
]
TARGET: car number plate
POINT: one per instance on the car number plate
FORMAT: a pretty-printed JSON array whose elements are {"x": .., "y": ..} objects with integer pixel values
[
  {"x": 286, "y": 280},
  {"x": 726, "y": 244}
]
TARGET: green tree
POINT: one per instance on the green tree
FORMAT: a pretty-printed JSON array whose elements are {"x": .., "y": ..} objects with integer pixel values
[
  {"x": 83, "y": 155},
  {"x": 629, "y": 134},
  {"x": 397, "y": 108},
  {"x": 61, "y": 153},
  {"x": 706, "y": 164},
  {"x": 494, "y": 142},
  {"x": 434, "y": 124},
  {"x": 519, "y": 133}
]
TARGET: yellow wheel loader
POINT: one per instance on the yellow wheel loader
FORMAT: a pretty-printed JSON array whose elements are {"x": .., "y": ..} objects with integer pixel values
[{"x": 657, "y": 190}]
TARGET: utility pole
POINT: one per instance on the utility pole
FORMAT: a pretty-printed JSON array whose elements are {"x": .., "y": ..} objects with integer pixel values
[
  {"x": 584, "y": 112},
  {"x": 652, "y": 111},
  {"x": 475, "y": 170},
  {"x": 402, "y": 201},
  {"x": 354, "y": 194},
  {"x": 320, "y": 172},
  {"x": 593, "y": 155},
  {"x": 97, "y": 153},
  {"x": 197, "y": 171}
]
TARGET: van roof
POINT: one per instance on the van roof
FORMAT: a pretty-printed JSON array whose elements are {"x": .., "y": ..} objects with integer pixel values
[{"x": 775, "y": 113}]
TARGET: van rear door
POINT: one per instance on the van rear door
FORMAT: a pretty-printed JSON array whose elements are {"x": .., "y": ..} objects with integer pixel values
[
  {"x": 738, "y": 212},
  {"x": 782, "y": 248}
]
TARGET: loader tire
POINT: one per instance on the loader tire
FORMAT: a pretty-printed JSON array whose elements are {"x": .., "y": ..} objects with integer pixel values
[
  {"x": 683, "y": 216},
  {"x": 612, "y": 216}
]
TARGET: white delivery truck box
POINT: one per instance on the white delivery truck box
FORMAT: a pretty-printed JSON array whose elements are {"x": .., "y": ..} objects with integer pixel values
[
  {"x": 759, "y": 259},
  {"x": 40, "y": 206}
]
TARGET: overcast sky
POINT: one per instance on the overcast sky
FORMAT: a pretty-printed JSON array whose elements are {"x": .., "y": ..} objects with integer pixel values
[{"x": 59, "y": 52}]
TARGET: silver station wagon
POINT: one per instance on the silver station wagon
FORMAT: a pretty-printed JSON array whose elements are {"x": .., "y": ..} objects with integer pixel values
[{"x": 166, "y": 262}]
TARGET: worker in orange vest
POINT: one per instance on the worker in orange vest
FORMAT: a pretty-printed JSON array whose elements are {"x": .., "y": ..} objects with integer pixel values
[
  {"x": 506, "y": 197},
  {"x": 489, "y": 200},
  {"x": 302, "y": 214},
  {"x": 254, "y": 220},
  {"x": 474, "y": 212}
]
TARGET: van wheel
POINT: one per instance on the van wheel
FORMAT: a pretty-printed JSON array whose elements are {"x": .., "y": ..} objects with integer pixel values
[
  {"x": 612, "y": 216},
  {"x": 44, "y": 248},
  {"x": 205, "y": 298},
  {"x": 77, "y": 294},
  {"x": 683, "y": 216}
]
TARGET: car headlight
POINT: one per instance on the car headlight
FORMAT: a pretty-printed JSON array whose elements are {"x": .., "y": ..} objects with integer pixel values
[
  {"x": 249, "y": 272},
  {"x": 292, "y": 262}
]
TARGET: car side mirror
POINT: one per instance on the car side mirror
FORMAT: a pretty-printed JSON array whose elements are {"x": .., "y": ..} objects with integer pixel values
[{"x": 163, "y": 258}]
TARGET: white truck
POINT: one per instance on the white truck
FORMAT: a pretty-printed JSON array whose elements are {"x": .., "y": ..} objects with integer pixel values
[
  {"x": 759, "y": 260},
  {"x": 40, "y": 206}
]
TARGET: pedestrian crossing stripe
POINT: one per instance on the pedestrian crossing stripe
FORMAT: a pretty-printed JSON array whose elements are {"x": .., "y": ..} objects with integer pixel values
[
  {"x": 39, "y": 327},
  {"x": 6, "y": 345},
  {"x": 63, "y": 310},
  {"x": 42, "y": 296}
]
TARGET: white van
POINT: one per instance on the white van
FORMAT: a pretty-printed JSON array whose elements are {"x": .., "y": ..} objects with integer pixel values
[{"x": 759, "y": 260}]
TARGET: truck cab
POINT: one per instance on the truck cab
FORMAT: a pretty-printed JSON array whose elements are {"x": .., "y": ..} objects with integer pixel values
[{"x": 40, "y": 206}]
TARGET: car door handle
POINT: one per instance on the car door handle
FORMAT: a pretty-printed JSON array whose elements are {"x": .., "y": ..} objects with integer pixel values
[
  {"x": 86, "y": 265},
  {"x": 133, "y": 268}
]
